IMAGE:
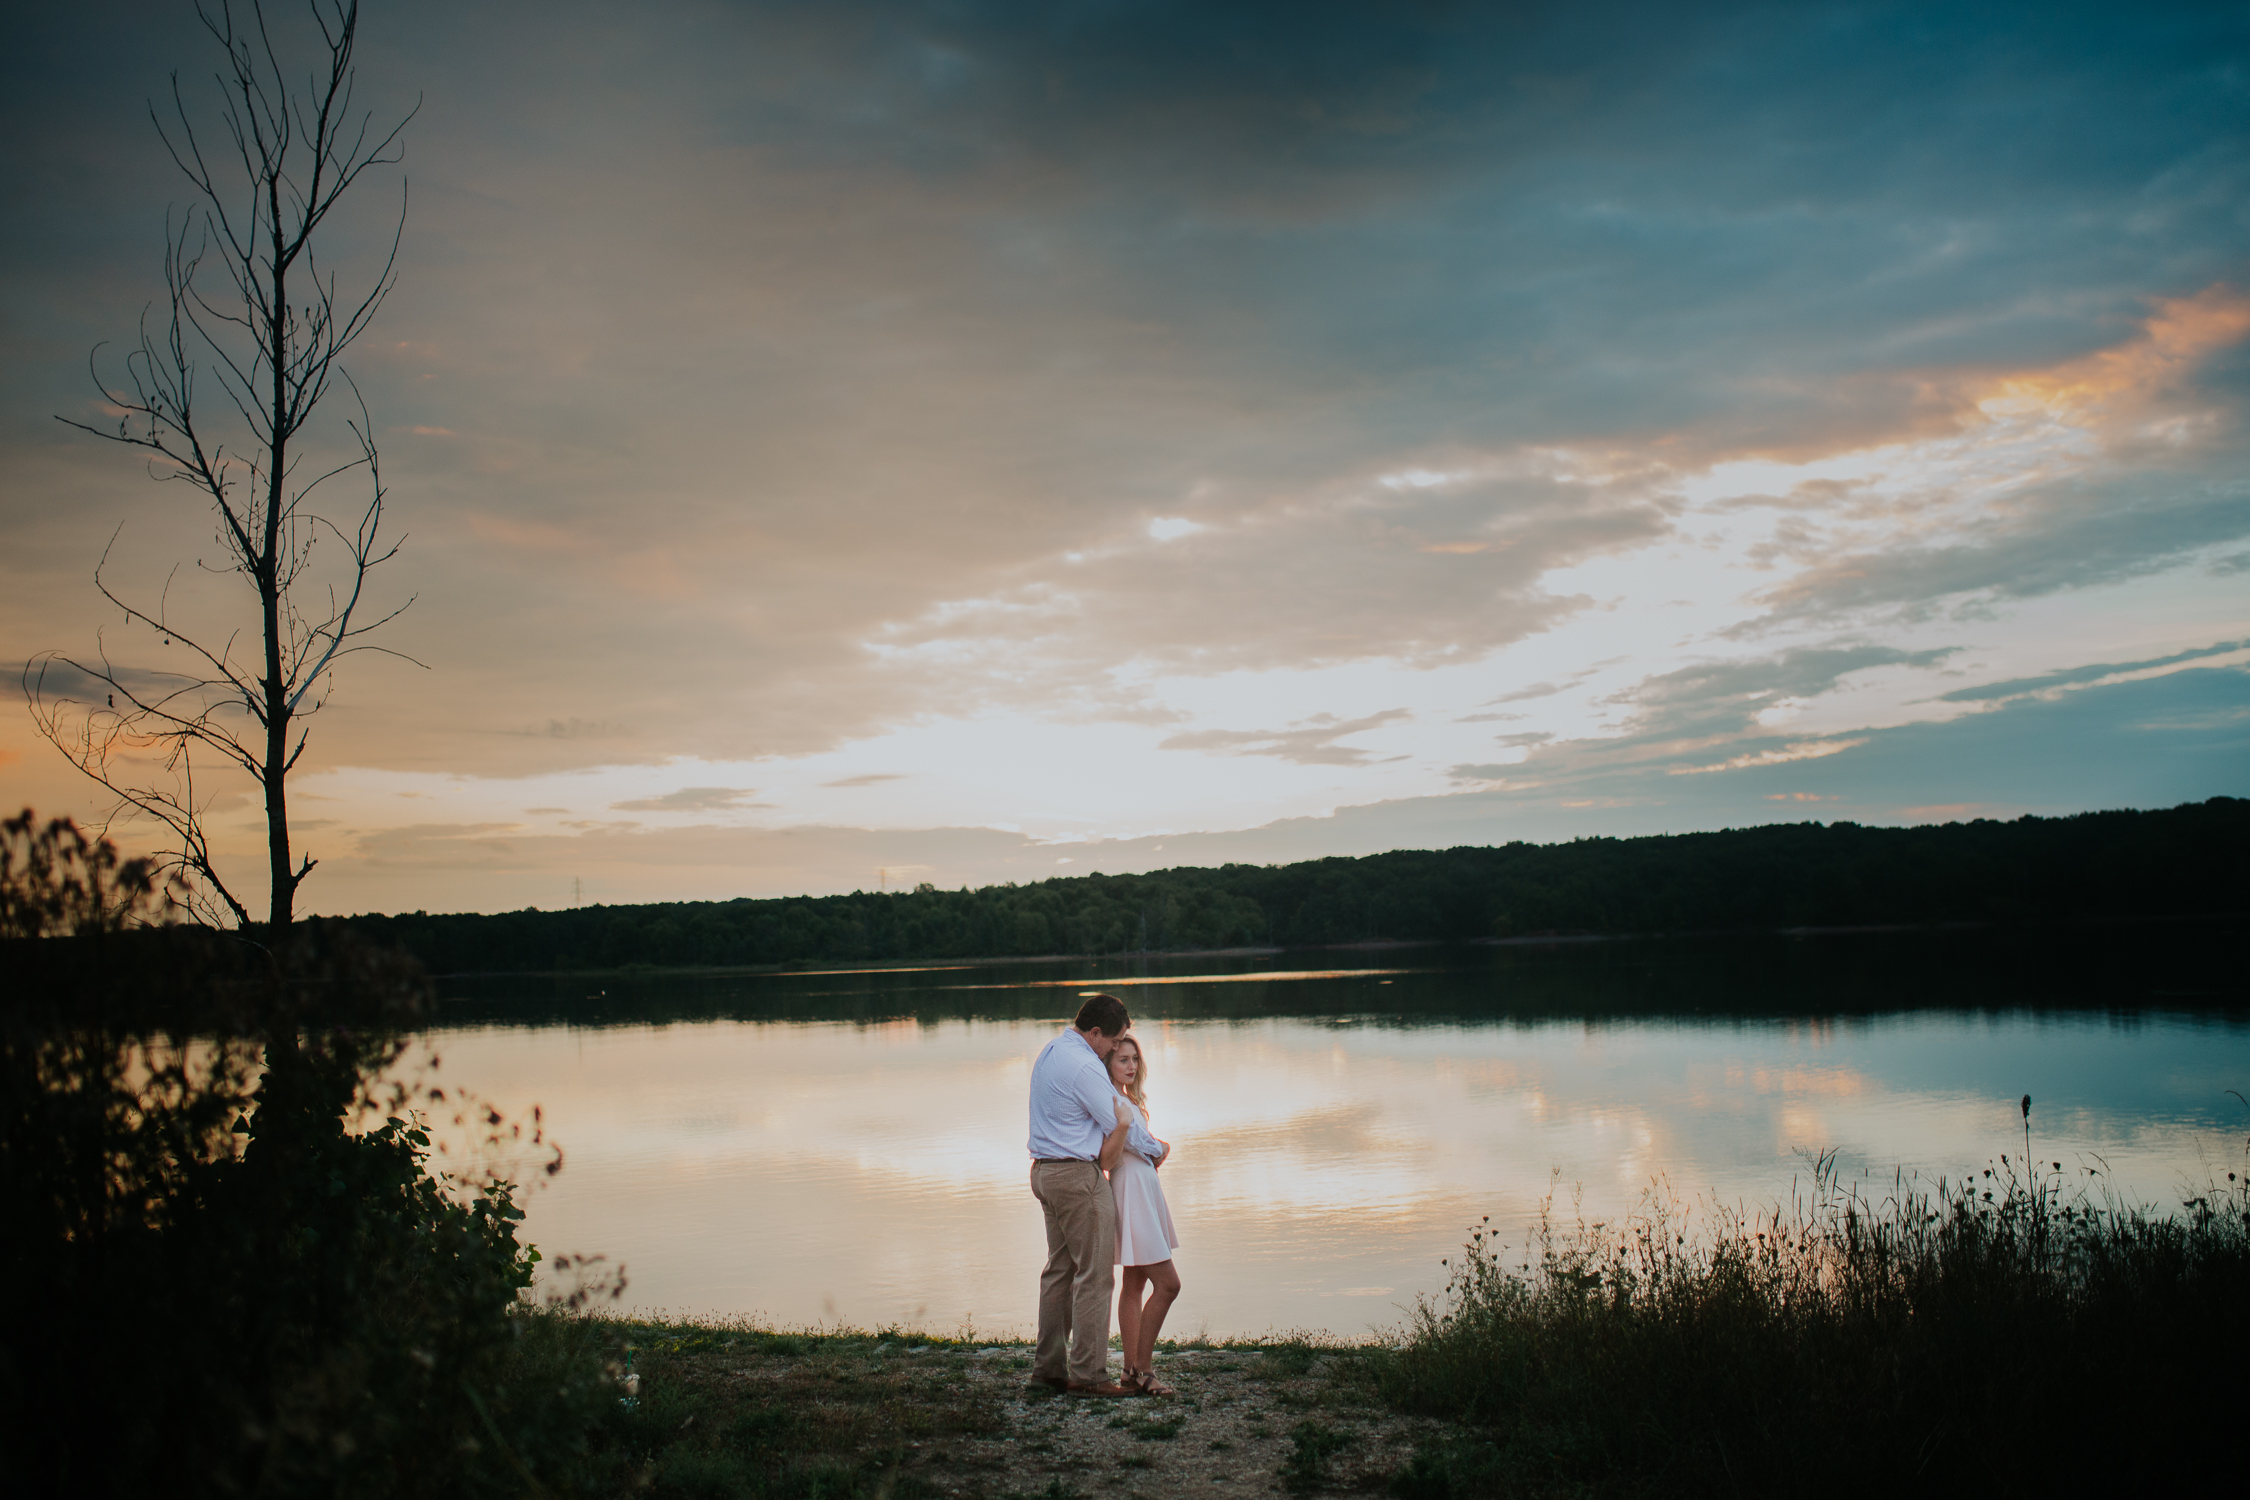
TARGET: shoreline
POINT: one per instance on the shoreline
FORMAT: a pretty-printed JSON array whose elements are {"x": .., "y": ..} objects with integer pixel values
[
  {"x": 907, "y": 1412},
  {"x": 817, "y": 968}
]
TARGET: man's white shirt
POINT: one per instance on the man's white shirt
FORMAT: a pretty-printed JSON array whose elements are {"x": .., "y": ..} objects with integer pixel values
[{"x": 1073, "y": 1106}]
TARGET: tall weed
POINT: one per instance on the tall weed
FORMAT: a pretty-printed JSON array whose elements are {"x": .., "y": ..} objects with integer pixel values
[{"x": 2013, "y": 1333}]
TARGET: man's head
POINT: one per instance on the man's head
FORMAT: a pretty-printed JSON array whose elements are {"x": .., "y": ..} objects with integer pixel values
[{"x": 1102, "y": 1020}]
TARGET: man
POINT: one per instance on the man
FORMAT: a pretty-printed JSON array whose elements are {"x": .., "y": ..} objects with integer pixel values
[{"x": 1074, "y": 1112}]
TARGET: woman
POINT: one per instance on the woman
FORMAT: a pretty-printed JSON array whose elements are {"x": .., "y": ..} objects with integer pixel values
[{"x": 1145, "y": 1240}]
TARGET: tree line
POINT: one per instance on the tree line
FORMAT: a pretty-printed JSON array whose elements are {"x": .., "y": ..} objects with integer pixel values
[{"x": 2180, "y": 861}]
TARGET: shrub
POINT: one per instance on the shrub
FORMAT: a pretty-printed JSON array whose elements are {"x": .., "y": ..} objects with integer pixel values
[
  {"x": 1966, "y": 1336},
  {"x": 216, "y": 1283}
]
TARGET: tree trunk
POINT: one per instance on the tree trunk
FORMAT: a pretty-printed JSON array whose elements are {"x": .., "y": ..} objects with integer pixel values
[{"x": 281, "y": 907}]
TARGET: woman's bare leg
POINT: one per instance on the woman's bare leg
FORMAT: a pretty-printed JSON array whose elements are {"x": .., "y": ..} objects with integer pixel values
[
  {"x": 1130, "y": 1281},
  {"x": 1163, "y": 1282}
]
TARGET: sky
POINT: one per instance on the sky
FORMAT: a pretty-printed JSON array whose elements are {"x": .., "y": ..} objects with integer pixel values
[{"x": 841, "y": 446}]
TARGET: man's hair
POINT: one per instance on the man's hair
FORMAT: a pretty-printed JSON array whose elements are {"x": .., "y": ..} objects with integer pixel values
[{"x": 1105, "y": 1014}]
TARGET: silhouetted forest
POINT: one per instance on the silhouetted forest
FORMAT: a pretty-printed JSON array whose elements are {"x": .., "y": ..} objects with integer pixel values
[{"x": 2185, "y": 860}]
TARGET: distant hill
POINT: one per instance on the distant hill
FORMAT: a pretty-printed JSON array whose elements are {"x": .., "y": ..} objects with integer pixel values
[{"x": 2188, "y": 860}]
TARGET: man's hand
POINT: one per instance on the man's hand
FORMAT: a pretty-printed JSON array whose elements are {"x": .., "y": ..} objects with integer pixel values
[{"x": 1167, "y": 1156}]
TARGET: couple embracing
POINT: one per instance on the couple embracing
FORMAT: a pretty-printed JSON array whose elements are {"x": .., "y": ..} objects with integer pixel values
[{"x": 1093, "y": 1170}]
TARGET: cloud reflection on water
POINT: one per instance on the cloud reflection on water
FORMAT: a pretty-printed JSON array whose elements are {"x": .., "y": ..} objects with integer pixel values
[{"x": 875, "y": 1171}]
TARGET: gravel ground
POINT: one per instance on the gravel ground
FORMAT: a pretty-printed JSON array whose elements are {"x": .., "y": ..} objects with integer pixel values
[{"x": 968, "y": 1420}]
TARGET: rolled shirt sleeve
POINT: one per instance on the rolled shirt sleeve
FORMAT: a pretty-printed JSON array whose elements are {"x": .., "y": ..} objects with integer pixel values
[{"x": 1138, "y": 1139}]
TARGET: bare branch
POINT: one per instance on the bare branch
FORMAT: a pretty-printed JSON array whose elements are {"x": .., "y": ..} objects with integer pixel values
[{"x": 274, "y": 348}]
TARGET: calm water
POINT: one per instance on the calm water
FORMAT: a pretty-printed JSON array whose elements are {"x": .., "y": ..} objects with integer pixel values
[{"x": 849, "y": 1146}]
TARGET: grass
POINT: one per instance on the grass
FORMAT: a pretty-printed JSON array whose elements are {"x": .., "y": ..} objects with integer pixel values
[
  {"x": 2015, "y": 1334},
  {"x": 834, "y": 1415},
  {"x": 734, "y": 1409},
  {"x": 1311, "y": 1445}
]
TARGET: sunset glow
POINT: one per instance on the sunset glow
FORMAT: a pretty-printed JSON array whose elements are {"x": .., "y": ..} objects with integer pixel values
[{"x": 1151, "y": 440}]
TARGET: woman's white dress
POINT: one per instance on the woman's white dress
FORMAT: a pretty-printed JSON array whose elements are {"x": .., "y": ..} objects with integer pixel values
[{"x": 1144, "y": 1224}]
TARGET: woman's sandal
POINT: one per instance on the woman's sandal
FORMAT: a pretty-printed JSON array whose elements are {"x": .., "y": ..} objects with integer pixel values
[{"x": 1145, "y": 1383}]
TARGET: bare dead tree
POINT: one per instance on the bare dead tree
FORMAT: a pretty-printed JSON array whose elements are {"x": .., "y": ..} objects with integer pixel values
[{"x": 256, "y": 315}]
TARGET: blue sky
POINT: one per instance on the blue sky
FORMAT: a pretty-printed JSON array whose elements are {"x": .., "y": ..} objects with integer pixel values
[{"x": 979, "y": 442}]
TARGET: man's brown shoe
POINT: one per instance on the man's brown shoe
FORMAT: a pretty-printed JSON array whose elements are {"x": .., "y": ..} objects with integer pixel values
[{"x": 1103, "y": 1389}]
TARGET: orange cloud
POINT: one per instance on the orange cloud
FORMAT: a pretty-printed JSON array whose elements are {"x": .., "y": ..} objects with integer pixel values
[
  {"x": 2177, "y": 336},
  {"x": 1801, "y": 750}
]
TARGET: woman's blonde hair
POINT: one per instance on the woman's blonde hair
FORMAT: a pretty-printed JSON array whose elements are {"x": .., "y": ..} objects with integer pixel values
[{"x": 1137, "y": 1090}]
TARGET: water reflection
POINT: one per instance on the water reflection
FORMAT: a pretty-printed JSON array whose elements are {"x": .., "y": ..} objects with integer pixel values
[{"x": 745, "y": 1147}]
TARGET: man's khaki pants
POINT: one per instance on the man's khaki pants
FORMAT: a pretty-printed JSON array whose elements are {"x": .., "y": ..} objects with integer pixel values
[{"x": 1074, "y": 1289}]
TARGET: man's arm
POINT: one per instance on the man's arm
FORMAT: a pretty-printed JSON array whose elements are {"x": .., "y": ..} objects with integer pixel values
[
  {"x": 1113, "y": 1148},
  {"x": 1138, "y": 1139},
  {"x": 1092, "y": 1091}
]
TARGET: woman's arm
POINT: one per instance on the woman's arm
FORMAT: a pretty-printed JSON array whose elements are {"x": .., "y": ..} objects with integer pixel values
[{"x": 1113, "y": 1149}]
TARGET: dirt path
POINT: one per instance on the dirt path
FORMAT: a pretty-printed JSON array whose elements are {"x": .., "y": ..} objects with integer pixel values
[{"x": 967, "y": 1420}]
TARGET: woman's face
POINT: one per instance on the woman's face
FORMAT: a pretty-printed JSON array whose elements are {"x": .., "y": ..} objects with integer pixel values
[{"x": 1125, "y": 1062}]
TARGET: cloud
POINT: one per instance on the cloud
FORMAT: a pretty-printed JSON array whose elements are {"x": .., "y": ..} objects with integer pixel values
[
  {"x": 1312, "y": 743},
  {"x": 1801, "y": 750},
  {"x": 1500, "y": 772},
  {"x": 1539, "y": 690},
  {"x": 871, "y": 779},
  {"x": 2087, "y": 749},
  {"x": 1490, "y": 772},
  {"x": 1435, "y": 344},
  {"x": 1728, "y": 696},
  {"x": 694, "y": 799},
  {"x": 2110, "y": 466},
  {"x": 2049, "y": 683},
  {"x": 57, "y": 678},
  {"x": 1333, "y": 573}
]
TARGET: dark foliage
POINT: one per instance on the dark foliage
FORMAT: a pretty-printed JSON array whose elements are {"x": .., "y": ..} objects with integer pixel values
[
  {"x": 1954, "y": 1340},
  {"x": 215, "y": 1284},
  {"x": 2187, "y": 860}
]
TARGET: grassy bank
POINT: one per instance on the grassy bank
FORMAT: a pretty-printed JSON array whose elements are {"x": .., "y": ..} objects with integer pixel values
[
  {"x": 725, "y": 1409},
  {"x": 2015, "y": 1335}
]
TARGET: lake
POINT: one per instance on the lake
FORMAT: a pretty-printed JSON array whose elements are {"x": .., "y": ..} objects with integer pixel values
[{"x": 847, "y": 1146}]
